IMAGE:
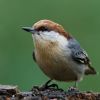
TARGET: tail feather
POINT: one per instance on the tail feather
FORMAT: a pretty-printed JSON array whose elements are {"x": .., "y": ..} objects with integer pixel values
[{"x": 91, "y": 70}]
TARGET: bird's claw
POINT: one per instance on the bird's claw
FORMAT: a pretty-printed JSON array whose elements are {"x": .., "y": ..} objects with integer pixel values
[{"x": 47, "y": 86}]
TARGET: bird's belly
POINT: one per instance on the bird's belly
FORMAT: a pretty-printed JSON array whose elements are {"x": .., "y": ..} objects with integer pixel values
[
  {"x": 56, "y": 64},
  {"x": 60, "y": 73},
  {"x": 57, "y": 69}
]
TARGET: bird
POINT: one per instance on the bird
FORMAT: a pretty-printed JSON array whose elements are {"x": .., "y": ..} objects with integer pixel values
[{"x": 58, "y": 54}]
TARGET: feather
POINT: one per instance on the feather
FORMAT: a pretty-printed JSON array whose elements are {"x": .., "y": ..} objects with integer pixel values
[{"x": 79, "y": 55}]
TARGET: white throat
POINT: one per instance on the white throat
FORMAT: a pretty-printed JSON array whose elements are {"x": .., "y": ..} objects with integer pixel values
[{"x": 51, "y": 36}]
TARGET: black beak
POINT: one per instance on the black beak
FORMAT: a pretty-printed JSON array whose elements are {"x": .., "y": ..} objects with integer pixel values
[{"x": 29, "y": 29}]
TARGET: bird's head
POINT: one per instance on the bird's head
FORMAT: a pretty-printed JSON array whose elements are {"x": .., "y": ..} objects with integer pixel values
[{"x": 46, "y": 30}]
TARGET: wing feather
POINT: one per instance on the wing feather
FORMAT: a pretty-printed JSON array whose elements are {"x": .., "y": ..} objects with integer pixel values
[{"x": 79, "y": 55}]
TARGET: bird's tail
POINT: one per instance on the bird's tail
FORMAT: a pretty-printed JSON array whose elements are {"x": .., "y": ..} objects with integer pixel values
[{"x": 91, "y": 70}]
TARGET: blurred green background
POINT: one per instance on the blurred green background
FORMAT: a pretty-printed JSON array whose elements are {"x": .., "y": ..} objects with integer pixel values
[{"x": 79, "y": 17}]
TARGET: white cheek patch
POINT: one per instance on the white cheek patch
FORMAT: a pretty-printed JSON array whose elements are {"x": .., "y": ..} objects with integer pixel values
[
  {"x": 51, "y": 36},
  {"x": 54, "y": 36}
]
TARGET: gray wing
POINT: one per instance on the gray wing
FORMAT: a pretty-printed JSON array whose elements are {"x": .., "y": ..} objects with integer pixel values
[{"x": 79, "y": 55}]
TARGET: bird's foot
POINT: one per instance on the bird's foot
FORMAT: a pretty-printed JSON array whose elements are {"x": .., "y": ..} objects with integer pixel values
[
  {"x": 47, "y": 85},
  {"x": 51, "y": 86}
]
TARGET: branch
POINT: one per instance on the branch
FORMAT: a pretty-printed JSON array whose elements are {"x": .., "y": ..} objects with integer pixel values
[{"x": 8, "y": 92}]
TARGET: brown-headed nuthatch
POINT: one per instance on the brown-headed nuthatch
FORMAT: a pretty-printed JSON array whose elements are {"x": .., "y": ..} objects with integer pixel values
[{"x": 58, "y": 54}]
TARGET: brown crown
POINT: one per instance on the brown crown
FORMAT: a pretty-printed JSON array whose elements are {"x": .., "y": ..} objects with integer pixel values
[{"x": 52, "y": 26}]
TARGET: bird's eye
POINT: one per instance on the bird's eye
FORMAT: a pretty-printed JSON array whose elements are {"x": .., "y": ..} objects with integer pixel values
[{"x": 42, "y": 28}]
